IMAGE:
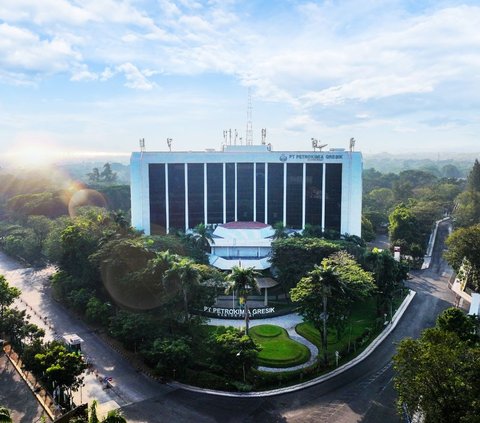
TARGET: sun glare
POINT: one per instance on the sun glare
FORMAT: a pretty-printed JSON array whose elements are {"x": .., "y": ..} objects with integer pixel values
[{"x": 33, "y": 156}]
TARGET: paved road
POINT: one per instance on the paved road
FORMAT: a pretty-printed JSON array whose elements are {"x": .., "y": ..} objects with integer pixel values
[
  {"x": 364, "y": 394},
  {"x": 130, "y": 385},
  {"x": 15, "y": 395}
]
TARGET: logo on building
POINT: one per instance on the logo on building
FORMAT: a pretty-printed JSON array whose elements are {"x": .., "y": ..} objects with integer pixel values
[{"x": 283, "y": 158}]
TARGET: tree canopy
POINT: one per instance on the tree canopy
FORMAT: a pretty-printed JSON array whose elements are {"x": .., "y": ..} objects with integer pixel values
[
  {"x": 464, "y": 249},
  {"x": 325, "y": 294},
  {"x": 437, "y": 374}
]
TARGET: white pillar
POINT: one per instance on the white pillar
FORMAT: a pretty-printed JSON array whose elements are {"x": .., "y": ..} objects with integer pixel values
[
  {"x": 224, "y": 194},
  {"x": 254, "y": 192},
  {"x": 205, "y": 191},
  {"x": 284, "y": 194},
  {"x": 186, "y": 197},
  {"x": 324, "y": 172},
  {"x": 167, "y": 201},
  {"x": 266, "y": 193},
  {"x": 236, "y": 202},
  {"x": 304, "y": 194}
]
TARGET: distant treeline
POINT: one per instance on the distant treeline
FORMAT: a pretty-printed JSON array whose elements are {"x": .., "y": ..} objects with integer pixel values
[{"x": 456, "y": 167}]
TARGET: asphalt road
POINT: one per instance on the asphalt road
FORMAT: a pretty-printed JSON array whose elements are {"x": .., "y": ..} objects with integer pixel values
[{"x": 363, "y": 394}]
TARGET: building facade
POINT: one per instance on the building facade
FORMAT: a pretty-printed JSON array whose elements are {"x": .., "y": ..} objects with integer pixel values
[{"x": 247, "y": 183}]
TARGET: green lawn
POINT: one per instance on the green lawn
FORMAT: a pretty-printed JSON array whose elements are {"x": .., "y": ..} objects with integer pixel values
[
  {"x": 362, "y": 319},
  {"x": 278, "y": 350}
]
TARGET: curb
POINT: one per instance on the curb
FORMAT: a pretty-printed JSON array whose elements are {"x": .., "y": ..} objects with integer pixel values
[
  {"x": 431, "y": 242},
  {"x": 362, "y": 356},
  {"x": 30, "y": 387}
]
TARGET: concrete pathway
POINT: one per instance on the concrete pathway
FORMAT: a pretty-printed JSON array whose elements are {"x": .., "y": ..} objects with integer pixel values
[
  {"x": 288, "y": 322},
  {"x": 300, "y": 339}
]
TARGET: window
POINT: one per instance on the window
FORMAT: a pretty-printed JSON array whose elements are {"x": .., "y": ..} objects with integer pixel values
[
  {"x": 176, "y": 195},
  {"x": 195, "y": 194},
  {"x": 245, "y": 192},
  {"x": 275, "y": 193},
  {"x": 158, "y": 218}
]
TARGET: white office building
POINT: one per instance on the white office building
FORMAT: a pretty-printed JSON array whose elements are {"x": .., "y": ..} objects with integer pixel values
[{"x": 247, "y": 184}]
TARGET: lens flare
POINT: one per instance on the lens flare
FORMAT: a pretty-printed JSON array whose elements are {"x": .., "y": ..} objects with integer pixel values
[{"x": 83, "y": 198}]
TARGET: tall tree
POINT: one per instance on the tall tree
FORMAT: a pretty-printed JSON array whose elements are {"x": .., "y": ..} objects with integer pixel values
[
  {"x": 61, "y": 369},
  {"x": 94, "y": 175},
  {"x": 388, "y": 274},
  {"x": 107, "y": 175},
  {"x": 280, "y": 231},
  {"x": 437, "y": 377},
  {"x": 325, "y": 295},
  {"x": 243, "y": 281},
  {"x": 184, "y": 273},
  {"x": 8, "y": 294},
  {"x": 202, "y": 236},
  {"x": 464, "y": 249},
  {"x": 473, "y": 181}
]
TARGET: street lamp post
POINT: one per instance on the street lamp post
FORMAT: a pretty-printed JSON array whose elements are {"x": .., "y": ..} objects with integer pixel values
[{"x": 239, "y": 354}]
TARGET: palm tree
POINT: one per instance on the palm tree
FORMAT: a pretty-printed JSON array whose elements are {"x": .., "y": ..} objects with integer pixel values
[
  {"x": 5, "y": 415},
  {"x": 185, "y": 273},
  {"x": 316, "y": 288},
  {"x": 280, "y": 231},
  {"x": 202, "y": 236},
  {"x": 327, "y": 292},
  {"x": 243, "y": 281}
]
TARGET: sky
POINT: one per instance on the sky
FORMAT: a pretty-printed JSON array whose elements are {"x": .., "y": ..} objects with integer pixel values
[{"x": 95, "y": 76}]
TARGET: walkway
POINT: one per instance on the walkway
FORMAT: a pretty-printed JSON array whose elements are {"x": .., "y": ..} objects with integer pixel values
[{"x": 288, "y": 322}]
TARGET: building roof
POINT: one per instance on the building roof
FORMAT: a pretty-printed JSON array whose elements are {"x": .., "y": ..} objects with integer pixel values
[
  {"x": 244, "y": 225},
  {"x": 266, "y": 282},
  {"x": 243, "y": 234}
]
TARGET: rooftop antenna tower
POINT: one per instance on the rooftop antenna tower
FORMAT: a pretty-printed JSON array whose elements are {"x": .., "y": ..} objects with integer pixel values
[
  {"x": 352, "y": 144},
  {"x": 169, "y": 143},
  {"x": 249, "y": 132},
  {"x": 264, "y": 135},
  {"x": 316, "y": 144},
  {"x": 142, "y": 145}
]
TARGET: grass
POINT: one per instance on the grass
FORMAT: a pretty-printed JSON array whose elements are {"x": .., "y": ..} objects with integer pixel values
[
  {"x": 360, "y": 328},
  {"x": 278, "y": 350}
]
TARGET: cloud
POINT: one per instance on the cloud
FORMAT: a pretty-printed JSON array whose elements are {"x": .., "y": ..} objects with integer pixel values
[
  {"x": 82, "y": 73},
  {"x": 329, "y": 63},
  {"x": 135, "y": 78},
  {"x": 23, "y": 51}
]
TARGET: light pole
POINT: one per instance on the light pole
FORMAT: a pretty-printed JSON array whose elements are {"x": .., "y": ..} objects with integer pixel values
[{"x": 239, "y": 354}]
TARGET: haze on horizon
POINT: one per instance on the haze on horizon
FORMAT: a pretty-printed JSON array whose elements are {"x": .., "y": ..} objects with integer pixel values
[{"x": 92, "y": 77}]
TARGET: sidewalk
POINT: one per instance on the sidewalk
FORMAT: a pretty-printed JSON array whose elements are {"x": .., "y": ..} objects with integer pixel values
[{"x": 289, "y": 321}]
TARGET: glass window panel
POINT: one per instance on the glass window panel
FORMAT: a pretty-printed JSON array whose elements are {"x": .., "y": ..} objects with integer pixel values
[
  {"x": 275, "y": 193},
  {"x": 245, "y": 192},
  {"x": 294, "y": 195},
  {"x": 158, "y": 217},
  {"x": 176, "y": 195},
  {"x": 333, "y": 196},
  {"x": 195, "y": 194},
  {"x": 260, "y": 181},
  {"x": 313, "y": 194},
  {"x": 214, "y": 193}
]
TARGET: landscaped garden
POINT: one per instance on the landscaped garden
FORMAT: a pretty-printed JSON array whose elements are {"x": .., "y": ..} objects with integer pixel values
[
  {"x": 277, "y": 349},
  {"x": 360, "y": 326}
]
